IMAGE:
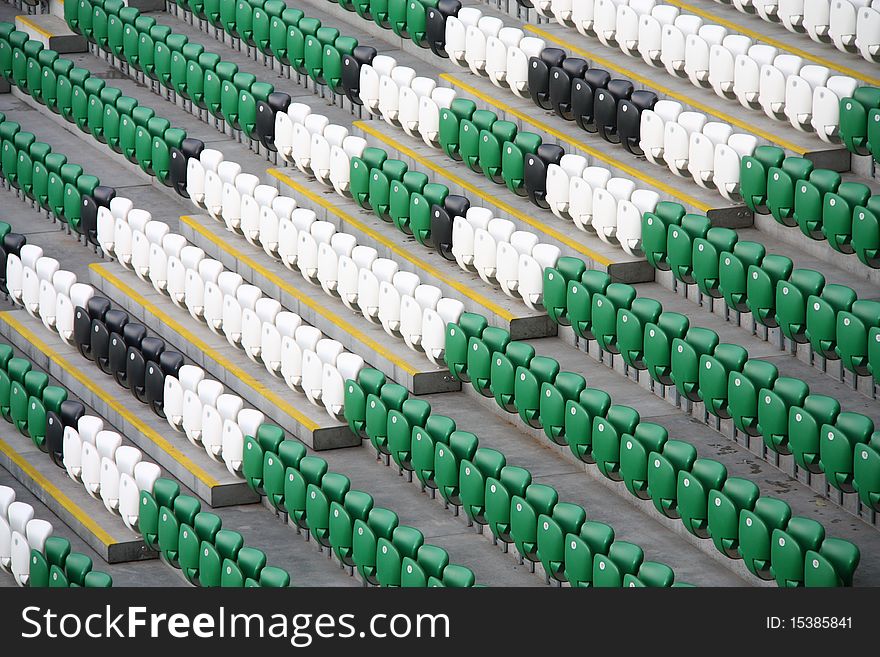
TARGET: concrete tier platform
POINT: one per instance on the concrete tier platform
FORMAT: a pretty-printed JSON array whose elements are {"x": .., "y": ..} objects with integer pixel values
[
  {"x": 52, "y": 32},
  {"x": 230, "y": 366},
  {"x": 188, "y": 464},
  {"x": 477, "y": 296},
  {"x": 391, "y": 355},
  {"x": 104, "y": 532}
]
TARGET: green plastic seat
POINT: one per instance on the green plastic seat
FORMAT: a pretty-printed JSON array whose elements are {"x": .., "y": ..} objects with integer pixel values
[
  {"x": 658, "y": 345},
  {"x": 185, "y": 510},
  {"x": 438, "y": 429},
  {"x": 555, "y": 287},
  {"x": 470, "y": 137},
  {"x": 528, "y": 387},
  {"x": 391, "y": 397},
  {"x": 399, "y": 200},
  {"x": 421, "y": 208},
  {"x": 370, "y": 381},
  {"x": 707, "y": 259},
  {"x": 866, "y": 472},
  {"x": 552, "y": 529},
  {"x": 605, "y": 308},
  {"x": 715, "y": 370},
  {"x": 854, "y": 118},
  {"x": 580, "y": 419},
  {"x": 756, "y": 527},
  {"x": 416, "y": 20},
  {"x": 809, "y": 199},
  {"x": 324, "y": 37},
  {"x": 280, "y": 27},
  {"x": 31, "y": 386},
  {"x": 231, "y": 96},
  {"x": 580, "y": 551},
  {"x": 76, "y": 567},
  {"x": 782, "y": 181},
  {"x": 247, "y": 106},
  {"x": 788, "y": 548},
  {"x": 821, "y": 324},
  {"x": 381, "y": 523},
  {"x": 686, "y": 355},
  {"x": 12, "y": 378},
  {"x": 204, "y": 529},
  {"x": 804, "y": 425},
  {"x": 214, "y": 557},
  {"x": 607, "y": 432},
  {"x": 360, "y": 174},
  {"x": 404, "y": 542},
  {"x": 773, "y": 411},
  {"x": 837, "y": 448},
  {"x": 499, "y": 492},
  {"x": 450, "y": 125},
  {"x": 651, "y": 574},
  {"x": 491, "y": 147},
  {"x": 623, "y": 559},
  {"x": 311, "y": 470},
  {"x": 504, "y": 374},
  {"x": 791, "y": 302},
  {"x": 356, "y": 506},
  {"x": 866, "y": 232},
  {"x": 267, "y": 441},
  {"x": 462, "y": 446},
  {"x": 273, "y": 577},
  {"x": 333, "y": 488},
  {"x": 554, "y": 398},
  {"x": 761, "y": 287},
  {"x": 754, "y": 176},
  {"x": 379, "y": 188},
  {"x": 743, "y": 393},
  {"x": 630, "y": 330},
  {"x": 737, "y": 494},
  {"x": 693, "y": 492},
  {"x": 458, "y": 335},
  {"x": 833, "y": 565},
  {"x": 399, "y": 432},
  {"x": 853, "y": 327},
  {"x": 524, "y": 513},
  {"x": 579, "y": 301},
  {"x": 480, "y": 357},
  {"x": 680, "y": 245},
  {"x": 275, "y": 466},
  {"x": 513, "y": 158},
  {"x": 430, "y": 561},
  {"x": 663, "y": 470},
  {"x": 655, "y": 232},
  {"x": 472, "y": 477},
  {"x": 263, "y": 24},
  {"x": 296, "y": 43}
]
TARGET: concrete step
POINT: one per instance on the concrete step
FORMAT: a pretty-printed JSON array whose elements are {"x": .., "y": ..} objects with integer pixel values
[
  {"x": 230, "y": 366},
  {"x": 188, "y": 464},
  {"x": 391, "y": 355},
  {"x": 52, "y": 32}
]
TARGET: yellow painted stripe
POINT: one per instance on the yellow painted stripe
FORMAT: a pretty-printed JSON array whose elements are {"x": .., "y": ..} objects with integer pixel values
[
  {"x": 321, "y": 310},
  {"x": 776, "y": 43},
  {"x": 395, "y": 248},
  {"x": 81, "y": 515},
  {"x": 652, "y": 83},
  {"x": 196, "y": 341},
  {"x": 36, "y": 28},
  {"x": 116, "y": 406},
  {"x": 476, "y": 191},
  {"x": 561, "y": 136}
]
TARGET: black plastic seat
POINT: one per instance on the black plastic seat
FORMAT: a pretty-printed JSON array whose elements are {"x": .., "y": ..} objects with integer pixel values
[
  {"x": 629, "y": 119},
  {"x": 95, "y": 311},
  {"x": 435, "y": 25},
  {"x": 442, "y": 219},
  {"x": 138, "y": 360},
  {"x": 605, "y": 107},
  {"x": 114, "y": 322},
  {"x": 120, "y": 345},
  {"x": 535, "y": 173},
  {"x": 12, "y": 244},
  {"x": 351, "y": 71},
  {"x": 169, "y": 364},
  {"x": 562, "y": 79},
  {"x": 539, "y": 75},
  {"x": 179, "y": 160},
  {"x": 68, "y": 416},
  {"x": 583, "y": 94},
  {"x": 100, "y": 198},
  {"x": 277, "y": 101}
]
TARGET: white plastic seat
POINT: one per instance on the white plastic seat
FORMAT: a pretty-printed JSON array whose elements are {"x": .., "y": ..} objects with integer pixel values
[
  {"x": 196, "y": 171},
  {"x": 226, "y": 173},
  {"x": 429, "y": 114},
  {"x": 486, "y": 243},
  {"x": 245, "y": 298},
  {"x": 772, "y": 87},
  {"x": 7, "y": 497},
  {"x": 497, "y": 47},
  {"x": 233, "y": 192},
  {"x": 652, "y": 128},
  {"x": 88, "y": 427},
  {"x": 673, "y": 40},
  {"x": 348, "y": 366},
  {"x": 252, "y": 321},
  {"x": 676, "y": 140},
  {"x": 390, "y": 294},
  {"x": 412, "y": 310},
  {"x": 456, "y": 33},
  {"x": 284, "y": 134},
  {"x": 559, "y": 182},
  {"x": 314, "y": 124},
  {"x": 867, "y": 33},
  {"x": 334, "y": 136},
  {"x": 799, "y": 95},
  {"x": 791, "y": 14},
  {"x": 701, "y": 151},
  {"x": 507, "y": 260},
  {"x": 581, "y": 195},
  {"x": 727, "y": 163},
  {"x": 531, "y": 273},
  {"x": 288, "y": 236},
  {"x": 766, "y": 9},
  {"x": 434, "y": 327},
  {"x": 307, "y": 248},
  {"x": 747, "y": 73},
  {"x": 389, "y": 93},
  {"x": 629, "y": 219},
  {"x": 44, "y": 269},
  {"x": 285, "y": 325},
  {"x": 475, "y": 42},
  {"x": 50, "y": 291},
  {"x": 341, "y": 244},
  {"x": 583, "y": 16},
  {"x": 232, "y": 445},
  {"x": 605, "y": 203},
  {"x": 305, "y": 338},
  {"x": 340, "y": 159},
  {"x": 106, "y": 444},
  {"x": 845, "y": 17},
  {"x": 172, "y": 246},
  {"x": 105, "y": 230},
  {"x": 145, "y": 475},
  {"x": 697, "y": 53},
  {"x": 605, "y": 21},
  {"x": 16, "y": 266},
  {"x": 124, "y": 462},
  {"x": 370, "y": 76},
  {"x": 71, "y": 447},
  {"x": 187, "y": 379},
  {"x": 5, "y": 545},
  {"x": 226, "y": 284},
  {"x": 722, "y": 63},
  {"x": 206, "y": 393},
  {"x": 189, "y": 259},
  {"x": 627, "y": 24},
  {"x": 362, "y": 257},
  {"x": 65, "y": 309},
  {"x": 518, "y": 62},
  {"x": 651, "y": 32},
  {"x": 326, "y": 351},
  {"x": 270, "y": 219},
  {"x": 251, "y": 207},
  {"x": 561, "y": 11},
  {"x": 142, "y": 242},
  {"x": 214, "y": 418},
  {"x": 826, "y": 106},
  {"x": 817, "y": 20},
  {"x": 463, "y": 235},
  {"x": 370, "y": 281},
  {"x": 408, "y": 103}
]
